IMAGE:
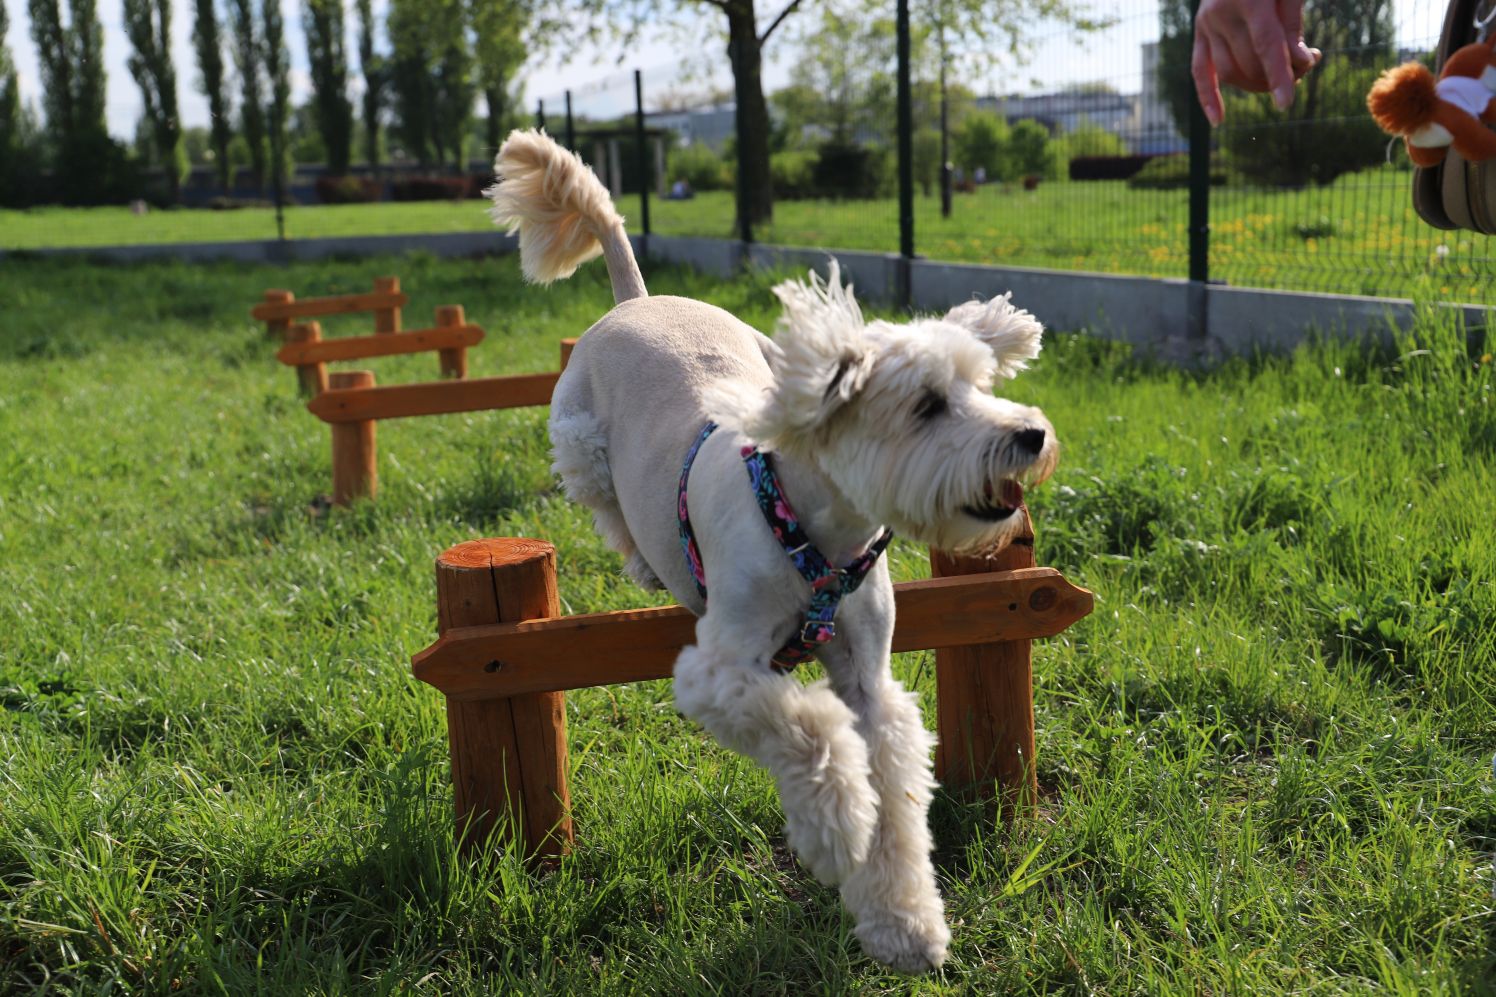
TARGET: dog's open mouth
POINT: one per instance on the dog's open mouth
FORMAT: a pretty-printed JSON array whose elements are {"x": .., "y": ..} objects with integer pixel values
[{"x": 999, "y": 506}]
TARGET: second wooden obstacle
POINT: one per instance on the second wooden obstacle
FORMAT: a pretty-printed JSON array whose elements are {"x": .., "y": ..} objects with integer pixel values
[{"x": 353, "y": 405}]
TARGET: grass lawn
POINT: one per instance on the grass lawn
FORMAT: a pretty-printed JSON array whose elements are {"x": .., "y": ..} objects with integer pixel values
[
  {"x": 1265, "y": 757},
  {"x": 1356, "y": 236}
]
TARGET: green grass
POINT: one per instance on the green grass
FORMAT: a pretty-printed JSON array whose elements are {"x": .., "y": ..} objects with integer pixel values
[
  {"x": 1265, "y": 757},
  {"x": 1356, "y": 236}
]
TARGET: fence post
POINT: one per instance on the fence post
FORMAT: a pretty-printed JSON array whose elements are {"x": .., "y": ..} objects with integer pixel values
[
  {"x": 571, "y": 132},
  {"x": 312, "y": 377},
  {"x": 540, "y": 115},
  {"x": 453, "y": 359},
  {"x": 387, "y": 319},
  {"x": 278, "y": 327},
  {"x": 508, "y": 755},
  {"x": 567, "y": 345},
  {"x": 906, "y": 147},
  {"x": 985, "y": 695},
  {"x": 355, "y": 470},
  {"x": 642, "y": 156},
  {"x": 1198, "y": 317}
]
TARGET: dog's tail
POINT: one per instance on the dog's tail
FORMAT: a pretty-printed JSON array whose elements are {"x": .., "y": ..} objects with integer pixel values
[{"x": 562, "y": 212}]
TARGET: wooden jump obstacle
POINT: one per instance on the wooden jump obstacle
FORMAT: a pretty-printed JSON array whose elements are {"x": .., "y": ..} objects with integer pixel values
[
  {"x": 504, "y": 659},
  {"x": 352, "y": 406},
  {"x": 350, "y": 402},
  {"x": 306, "y": 350}
]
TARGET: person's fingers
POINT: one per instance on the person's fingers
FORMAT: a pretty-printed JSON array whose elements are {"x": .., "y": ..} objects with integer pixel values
[
  {"x": 1237, "y": 62},
  {"x": 1300, "y": 56},
  {"x": 1270, "y": 48},
  {"x": 1206, "y": 87}
]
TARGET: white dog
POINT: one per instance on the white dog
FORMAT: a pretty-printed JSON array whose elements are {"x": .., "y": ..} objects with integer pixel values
[{"x": 871, "y": 426}]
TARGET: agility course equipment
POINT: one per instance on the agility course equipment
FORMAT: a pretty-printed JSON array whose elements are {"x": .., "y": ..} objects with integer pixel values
[
  {"x": 305, "y": 348},
  {"x": 352, "y": 406},
  {"x": 504, "y": 659}
]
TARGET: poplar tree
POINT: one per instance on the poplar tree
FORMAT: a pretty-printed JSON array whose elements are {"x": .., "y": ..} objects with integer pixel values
[
  {"x": 432, "y": 78},
  {"x": 328, "y": 58},
  {"x": 277, "y": 65},
  {"x": 375, "y": 69},
  {"x": 499, "y": 49},
  {"x": 207, "y": 40},
  {"x": 247, "y": 55},
  {"x": 86, "y": 164},
  {"x": 148, "y": 26}
]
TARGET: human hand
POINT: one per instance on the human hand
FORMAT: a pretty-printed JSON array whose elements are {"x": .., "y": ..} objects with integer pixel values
[{"x": 1256, "y": 45}]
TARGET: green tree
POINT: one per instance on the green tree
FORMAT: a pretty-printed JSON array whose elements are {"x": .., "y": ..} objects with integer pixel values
[
  {"x": 432, "y": 78},
  {"x": 499, "y": 50},
  {"x": 208, "y": 42},
  {"x": 277, "y": 66},
  {"x": 10, "y": 109},
  {"x": 327, "y": 57},
  {"x": 1027, "y": 151},
  {"x": 247, "y": 60},
  {"x": 87, "y": 164},
  {"x": 981, "y": 141},
  {"x": 375, "y": 69},
  {"x": 148, "y": 26}
]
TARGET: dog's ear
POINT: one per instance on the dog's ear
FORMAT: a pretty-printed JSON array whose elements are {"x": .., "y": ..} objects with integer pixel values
[
  {"x": 1014, "y": 336},
  {"x": 820, "y": 356}
]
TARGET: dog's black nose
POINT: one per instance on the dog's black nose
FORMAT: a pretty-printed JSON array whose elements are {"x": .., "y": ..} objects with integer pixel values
[{"x": 1031, "y": 440}]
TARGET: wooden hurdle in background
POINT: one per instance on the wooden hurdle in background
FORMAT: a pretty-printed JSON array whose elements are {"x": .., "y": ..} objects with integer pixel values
[
  {"x": 305, "y": 348},
  {"x": 352, "y": 405},
  {"x": 504, "y": 659}
]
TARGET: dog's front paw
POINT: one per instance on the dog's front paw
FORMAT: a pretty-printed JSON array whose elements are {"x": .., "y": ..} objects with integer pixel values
[{"x": 909, "y": 945}]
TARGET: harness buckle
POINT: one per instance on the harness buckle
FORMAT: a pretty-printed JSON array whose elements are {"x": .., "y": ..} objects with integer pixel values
[{"x": 817, "y": 631}]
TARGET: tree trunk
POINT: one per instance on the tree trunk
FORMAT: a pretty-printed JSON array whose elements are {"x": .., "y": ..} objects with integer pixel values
[
  {"x": 494, "y": 97},
  {"x": 755, "y": 189}
]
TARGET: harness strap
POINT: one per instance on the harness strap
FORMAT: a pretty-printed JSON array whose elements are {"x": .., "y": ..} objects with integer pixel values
[{"x": 828, "y": 583}]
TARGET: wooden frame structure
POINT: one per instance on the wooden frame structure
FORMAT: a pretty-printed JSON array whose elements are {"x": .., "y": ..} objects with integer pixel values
[
  {"x": 504, "y": 659},
  {"x": 305, "y": 349},
  {"x": 352, "y": 405}
]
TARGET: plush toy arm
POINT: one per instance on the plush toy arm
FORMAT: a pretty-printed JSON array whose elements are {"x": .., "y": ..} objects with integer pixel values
[{"x": 1473, "y": 140}]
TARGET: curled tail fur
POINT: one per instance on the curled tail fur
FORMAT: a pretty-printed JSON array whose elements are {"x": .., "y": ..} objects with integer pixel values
[{"x": 562, "y": 212}]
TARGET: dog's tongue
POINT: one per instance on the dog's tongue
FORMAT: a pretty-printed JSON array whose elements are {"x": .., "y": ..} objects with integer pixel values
[{"x": 1010, "y": 493}]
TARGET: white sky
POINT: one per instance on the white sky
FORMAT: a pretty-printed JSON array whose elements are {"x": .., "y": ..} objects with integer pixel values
[{"x": 598, "y": 76}]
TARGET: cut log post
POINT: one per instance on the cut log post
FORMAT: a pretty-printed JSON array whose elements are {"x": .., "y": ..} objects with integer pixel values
[
  {"x": 277, "y": 328},
  {"x": 355, "y": 472},
  {"x": 567, "y": 345},
  {"x": 985, "y": 694},
  {"x": 453, "y": 360},
  {"x": 312, "y": 377},
  {"x": 387, "y": 319},
  {"x": 509, "y": 756}
]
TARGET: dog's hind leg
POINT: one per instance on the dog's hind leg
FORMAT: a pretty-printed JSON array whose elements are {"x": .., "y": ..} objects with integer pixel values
[
  {"x": 893, "y": 895},
  {"x": 803, "y": 735},
  {"x": 579, "y": 449}
]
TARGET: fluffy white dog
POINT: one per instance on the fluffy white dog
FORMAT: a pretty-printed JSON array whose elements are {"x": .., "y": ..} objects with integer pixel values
[{"x": 871, "y": 426}]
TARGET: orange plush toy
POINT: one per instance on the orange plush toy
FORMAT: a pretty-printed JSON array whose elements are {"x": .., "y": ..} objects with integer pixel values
[{"x": 1453, "y": 110}]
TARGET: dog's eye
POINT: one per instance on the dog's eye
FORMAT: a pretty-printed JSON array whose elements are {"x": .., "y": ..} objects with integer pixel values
[{"x": 930, "y": 405}]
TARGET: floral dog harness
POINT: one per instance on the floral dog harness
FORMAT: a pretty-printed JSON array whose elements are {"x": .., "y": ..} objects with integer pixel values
[{"x": 827, "y": 583}]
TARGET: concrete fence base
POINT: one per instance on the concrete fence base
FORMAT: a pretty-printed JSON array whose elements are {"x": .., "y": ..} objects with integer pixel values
[{"x": 1165, "y": 316}]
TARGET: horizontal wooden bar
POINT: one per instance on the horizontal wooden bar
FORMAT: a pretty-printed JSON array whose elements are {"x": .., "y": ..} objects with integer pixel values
[
  {"x": 384, "y": 344},
  {"x": 399, "y": 401},
  {"x": 575, "y": 652},
  {"x": 336, "y": 305}
]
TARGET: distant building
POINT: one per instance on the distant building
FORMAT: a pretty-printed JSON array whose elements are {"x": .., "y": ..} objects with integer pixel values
[
  {"x": 1141, "y": 120},
  {"x": 712, "y": 126}
]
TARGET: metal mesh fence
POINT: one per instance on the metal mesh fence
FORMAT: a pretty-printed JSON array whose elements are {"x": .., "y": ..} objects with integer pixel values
[{"x": 1074, "y": 160}]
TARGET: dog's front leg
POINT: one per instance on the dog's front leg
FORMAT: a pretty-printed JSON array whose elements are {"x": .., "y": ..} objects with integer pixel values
[
  {"x": 893, "y": 895},
  {"x": 804, "y": 735}
]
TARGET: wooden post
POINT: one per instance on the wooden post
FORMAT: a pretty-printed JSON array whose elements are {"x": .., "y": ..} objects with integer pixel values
[
  {"x": 312, "y": 376},
  {"x": 985, "y": 694},
  {"x": 567, "y": 345},
  {"x": 454, "y": 360},
  {"x": 277, "y": 328},
  {"x": 355, "y": 470},
  {"x": 387, "y": 319},
  {"x": 508, "y": 755}
]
